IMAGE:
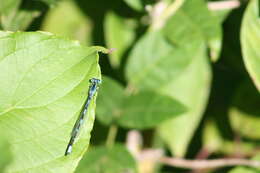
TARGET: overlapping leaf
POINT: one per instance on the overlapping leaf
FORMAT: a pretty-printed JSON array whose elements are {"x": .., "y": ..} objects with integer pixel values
[
  {"x": 245, "y": 115},
  {"x": 44, "y": 82},
  {"x": 194, "y": 21},
  {"x": 148, "y": 109},
  {"x": 151, "y": 63},
  {"x": 190, "y": 30},
  {"x": 51, "y": 2},
  {"x": 107, "y": 160},
  {"x": 135, "y": 4},
  {"x": 250, "y": 39},
  {"x": 16, "y": 15},
  {"x": 212, "y": 139},
  {"x": 67, "y": 20},
  {"x": 192, "y": 89},
  {"x": 8, "y": 6},
  {"x": 111, "y": 97},
  {"x": 178, "y": 70},
  {"x": 144, "y": 110},
  {"x": 119, "y": 34}
]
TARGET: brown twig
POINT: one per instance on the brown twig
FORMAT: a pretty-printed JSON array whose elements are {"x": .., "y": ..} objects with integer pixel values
[
  {"x": 204, "y": 153},
  {"x": 146, "y": 158},
  {"x": 207, "y": 164},
  {"x": 223, "y": 5},
  {"x": 134, "y": 142},
  {"x": 162, "y": 11}
]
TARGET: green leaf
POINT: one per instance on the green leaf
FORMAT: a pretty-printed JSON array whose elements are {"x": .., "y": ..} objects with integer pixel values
[
  {"x": 8, "y": 6},
  {"x": 110, "y": 99},
  {"x": 197, "y": 23},
  {"x": 6, "y": 155},
  {"x": 8, "y": 9},
  {"x": 181, "y": 72},
  {"x": 137, "y": 111},
  {"x": 44, "y": 82},
  {"x": 148, "y": 109},
  {"x": 246, "y": 113},
  {"x": 20, "y": 15},
  {"x": 151, "y": 65},
  {"x": 192, "y": 89},
  {"x": 119, "y": 34},
  {"x": 198, "y": 30},
  {"x": 250, "y": 39},
  {"x": 221, "y": 15},
  {"x": 212, "y": 139},
  {"x": 107, "y": 160},
  {"x": 72, "y": 24},
  {"x": 135, "y": 4},
  {"x": 229, "y": 147},
  {"x": 51, "y": 2},
  {"x": 243, "y": 170}
]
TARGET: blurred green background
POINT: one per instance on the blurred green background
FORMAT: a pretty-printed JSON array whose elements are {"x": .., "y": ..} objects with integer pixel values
[{"x": 182, "y": 74}]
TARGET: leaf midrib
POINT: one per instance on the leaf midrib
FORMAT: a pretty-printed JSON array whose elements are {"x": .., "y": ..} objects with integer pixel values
[{"x": 14, "y": 106}]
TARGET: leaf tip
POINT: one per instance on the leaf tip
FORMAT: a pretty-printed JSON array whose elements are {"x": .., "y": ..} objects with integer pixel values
[{"x": 102, "y": 49}]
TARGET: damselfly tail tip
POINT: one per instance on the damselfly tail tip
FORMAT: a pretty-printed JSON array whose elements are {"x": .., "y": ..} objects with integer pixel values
[{"x": 68, "y": 150}]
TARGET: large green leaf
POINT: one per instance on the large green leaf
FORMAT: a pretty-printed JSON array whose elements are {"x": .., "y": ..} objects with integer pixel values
[
  {"x": 135, "y": 4},
  {"x": 6, "y": 155},
  {"x": 119, "y": 33},
  {"x": 197, "y": 23},
  {"x": 44, "y": 82},
  {"x": 250, "y": 39},
  {"x": 72, "y": 24},
  {"x": 151, "y": 63},
  {"x": 197, "y": 31},
  {"x": 148, "y": 109},
  {"x": 107, "y": 160},
  {"x": 180, "y": 72},
  {"x": 245, "y": 115},
  {"x": 16, "y": 15},
  {"x": 110, "y": 99},
  {"x": 143, "y": 110},
  {"x": 192, "y": 89}
]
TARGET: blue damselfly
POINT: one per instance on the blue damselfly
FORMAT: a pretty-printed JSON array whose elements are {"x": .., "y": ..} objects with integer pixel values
[{"x": 94, "y": 83}]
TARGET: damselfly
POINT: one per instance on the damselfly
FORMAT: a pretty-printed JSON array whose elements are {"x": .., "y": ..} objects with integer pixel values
[{"x": 94, "y": 83}]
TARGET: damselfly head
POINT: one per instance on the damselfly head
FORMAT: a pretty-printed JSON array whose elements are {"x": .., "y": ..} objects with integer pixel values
[{"x": 95, "y": 81}]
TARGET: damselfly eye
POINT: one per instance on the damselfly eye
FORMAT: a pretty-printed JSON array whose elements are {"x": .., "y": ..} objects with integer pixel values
[
  {"x": 98, "y": 81},
  {"x": 95, "y": 80},
  {"x": 91, "y": 80}
]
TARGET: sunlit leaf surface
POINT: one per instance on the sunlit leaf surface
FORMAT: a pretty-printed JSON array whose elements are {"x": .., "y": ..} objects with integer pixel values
[
  {"x": 250, "y": 40},
  {"x": 44, "y": 82}
]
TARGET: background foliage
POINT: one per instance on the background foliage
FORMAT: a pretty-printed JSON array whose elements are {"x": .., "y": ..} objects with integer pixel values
[{"x": 183, "y": 73}]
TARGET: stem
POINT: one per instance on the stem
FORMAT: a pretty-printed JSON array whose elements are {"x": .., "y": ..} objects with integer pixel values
[
  {"x": 204, "y": 153},
  {"x": 206, "y": 164},
  {"x": 223, "y": 5},
  {"x": 160, "y": 17},
  {"x": 111, "y": 135}
]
